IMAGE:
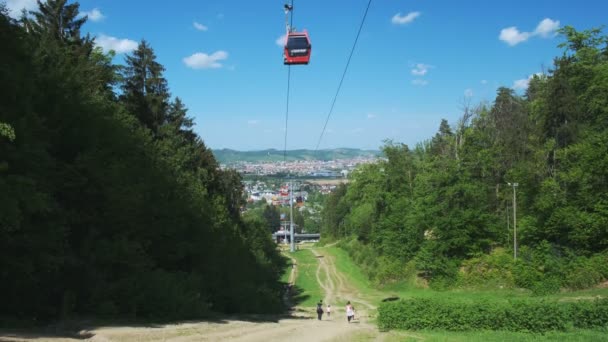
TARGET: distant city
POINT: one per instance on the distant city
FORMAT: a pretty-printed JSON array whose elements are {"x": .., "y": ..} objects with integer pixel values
[
  {"x": 302, "y": 168},
  {"x": 303, "y": 164}
]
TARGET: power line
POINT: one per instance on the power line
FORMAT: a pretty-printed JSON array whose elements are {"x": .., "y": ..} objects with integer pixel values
[{"x": 343, "y": 74}]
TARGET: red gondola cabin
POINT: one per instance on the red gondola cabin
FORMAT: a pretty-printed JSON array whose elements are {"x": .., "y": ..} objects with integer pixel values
[{"x": 297, "y": 48}]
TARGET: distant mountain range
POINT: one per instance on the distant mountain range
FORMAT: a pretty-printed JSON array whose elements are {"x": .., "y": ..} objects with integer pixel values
[{"x": 228, "y": 156}]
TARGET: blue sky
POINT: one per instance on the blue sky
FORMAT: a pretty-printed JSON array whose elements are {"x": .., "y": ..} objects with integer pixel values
[{"x": 414, "y": 63}]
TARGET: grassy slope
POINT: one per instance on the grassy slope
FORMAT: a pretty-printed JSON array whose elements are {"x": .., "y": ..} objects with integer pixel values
[
  {"x": 354, "y": 274},
  {"x": 307, "y": 280},
  {"x": 351, "y": 271}
]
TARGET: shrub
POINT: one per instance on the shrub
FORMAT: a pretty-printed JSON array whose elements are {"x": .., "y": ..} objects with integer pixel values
[
  {"x": 520, "y": 315},
  {"x": 582, "y": 274},
  {"x": 363, "y": 255},
  {"x": 599, "y": 262},
  {"x": 494, "y": 270},
  {"x": 389, "y": 270}
]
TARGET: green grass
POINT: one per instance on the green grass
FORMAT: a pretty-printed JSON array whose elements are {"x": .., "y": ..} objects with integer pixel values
[
  {"x": 286, "y": 272},
  {"x": 346, "y": 266},
  {"x": 405, "y": 290},
  {"x": 497, "y": 336},
  {"x": 582, "y": 294},
  {"x": 306, "y": 280}
]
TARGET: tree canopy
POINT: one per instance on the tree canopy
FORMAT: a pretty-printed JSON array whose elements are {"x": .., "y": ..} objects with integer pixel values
[
  {"x": 448, "y": 199},
  {"x": 110, "y": 204}
]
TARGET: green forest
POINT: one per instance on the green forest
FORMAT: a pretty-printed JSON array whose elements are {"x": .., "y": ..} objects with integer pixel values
[
  {"x": 112, "y": 207},
  {"x": 443, "y": 210},
  {"x": 110, "y": 204}
]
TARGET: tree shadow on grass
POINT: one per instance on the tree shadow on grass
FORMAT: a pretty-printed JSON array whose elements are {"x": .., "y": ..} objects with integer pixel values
[{"x": 297, "y": 296}]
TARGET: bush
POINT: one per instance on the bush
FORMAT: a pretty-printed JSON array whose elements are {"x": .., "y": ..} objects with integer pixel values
[
  {"x": 520, "y": 315},
  {"x": 582, "y": 274},
  {"x": 494, "y": 270},
  {"x": 599, "y": 263},
  {"x": 363, "y": 255},
  {"x": 389, "y": 271}
]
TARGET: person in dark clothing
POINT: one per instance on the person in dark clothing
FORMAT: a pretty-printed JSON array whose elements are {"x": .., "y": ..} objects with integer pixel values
[{"x": 320, "y": 309}]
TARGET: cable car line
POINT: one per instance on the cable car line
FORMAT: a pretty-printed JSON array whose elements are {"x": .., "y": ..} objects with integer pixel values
[
  {"x": 343, "y": 75},
  {"x": 288, "y": 9},
  {"x": 287, "y": 112}
]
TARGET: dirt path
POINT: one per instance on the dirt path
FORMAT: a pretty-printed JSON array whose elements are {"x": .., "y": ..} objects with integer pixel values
[
  {"x": 338, "y": 290},
  {"x": 302, "y": 328}
]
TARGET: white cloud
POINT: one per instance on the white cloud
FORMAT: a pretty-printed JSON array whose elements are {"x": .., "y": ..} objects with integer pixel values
[
  {"x": 420, "y": 82},
  {"x": 200, "y": 26},
  {"x": 201, "y": 60},
  {"x": 484, "y": 82},
  {"x": 253, "y": 122},
  {"x": 420, "y": 69},
  {"x": 512, "y": 36},
  {"x": 523, "y": 83},
  {"x": 281, "y": 40},
  {"x": 94, "y": 15},
  {"x": 398, "y": 19},
  {"x": 108, "y": 43},
  {"x": 468, "y": 92},
  {"x": 546, "y": 28},
  {"x": 371, "y": 116},
  {"x": 15, "y": 6}
]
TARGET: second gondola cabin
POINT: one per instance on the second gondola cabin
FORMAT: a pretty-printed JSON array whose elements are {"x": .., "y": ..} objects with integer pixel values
[{"x": 297, "y": 48}]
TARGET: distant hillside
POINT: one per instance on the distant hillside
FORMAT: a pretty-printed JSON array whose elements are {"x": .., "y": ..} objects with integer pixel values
[{"x": 228, "y": 156}]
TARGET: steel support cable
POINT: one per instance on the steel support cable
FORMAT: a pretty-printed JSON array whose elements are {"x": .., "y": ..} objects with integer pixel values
[
  {"x": 287, "y": 111},
  {"x": 288, "y": 87},
  {"x": 333, "y": 103}
]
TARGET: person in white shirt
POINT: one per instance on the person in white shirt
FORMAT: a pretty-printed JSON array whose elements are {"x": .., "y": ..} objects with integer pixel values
[{"x": 350, "y": 312}]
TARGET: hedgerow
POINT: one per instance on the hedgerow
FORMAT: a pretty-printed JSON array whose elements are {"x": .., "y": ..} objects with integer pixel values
[{"x": 517, "y": 315}]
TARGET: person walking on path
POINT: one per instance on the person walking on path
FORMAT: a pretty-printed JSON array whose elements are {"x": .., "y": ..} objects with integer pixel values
[
  {"x": 350, "y": 313},
  {"x": 320, "y": 309},
  {"x": 328, "y": 310}
]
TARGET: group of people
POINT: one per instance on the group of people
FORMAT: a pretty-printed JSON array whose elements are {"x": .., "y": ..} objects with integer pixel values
[{"x": 350, "y": 311}]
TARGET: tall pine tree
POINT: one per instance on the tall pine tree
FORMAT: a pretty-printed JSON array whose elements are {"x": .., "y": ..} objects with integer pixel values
[{"x": 145, "y": 90}]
